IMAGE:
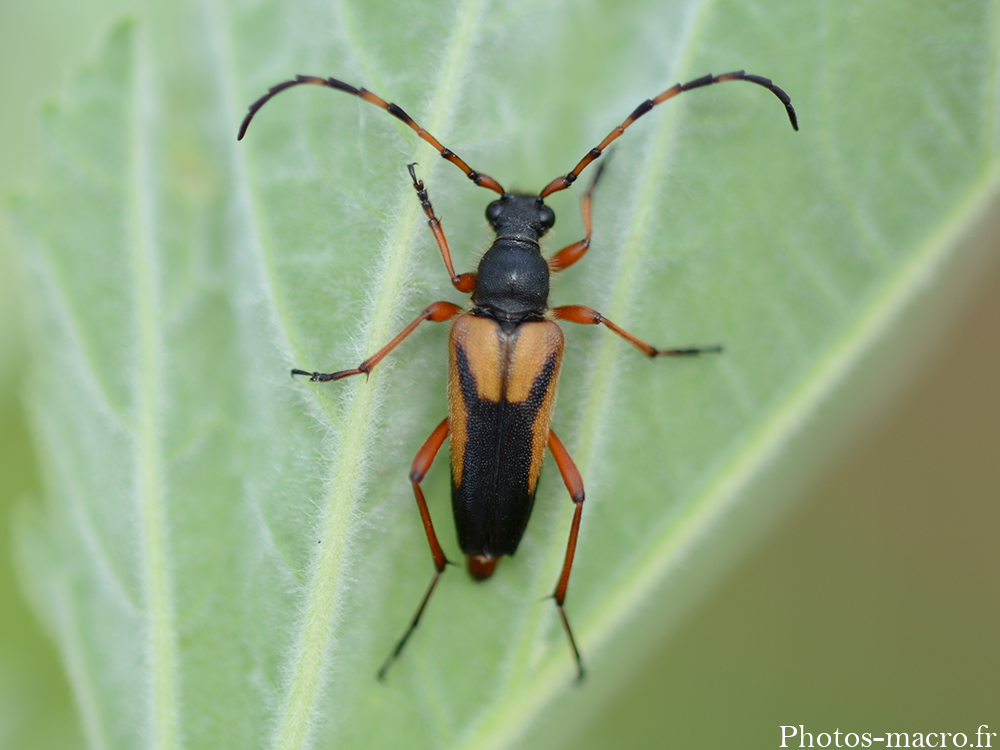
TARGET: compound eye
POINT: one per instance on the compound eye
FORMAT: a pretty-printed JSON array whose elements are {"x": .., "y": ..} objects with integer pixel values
[
  {"x": 546, "y": 217},
  {"x": 493, "y": 212}
]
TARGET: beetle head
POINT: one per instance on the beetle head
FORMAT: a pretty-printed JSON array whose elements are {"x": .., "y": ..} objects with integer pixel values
[{"x": 516, "y": 215}]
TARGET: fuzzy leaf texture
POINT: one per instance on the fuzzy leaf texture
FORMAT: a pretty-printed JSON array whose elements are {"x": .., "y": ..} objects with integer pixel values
[{"x": 227, "y": 555}]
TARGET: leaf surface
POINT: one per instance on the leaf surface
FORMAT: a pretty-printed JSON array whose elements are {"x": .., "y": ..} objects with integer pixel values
[{"x": 228, "y": 555}]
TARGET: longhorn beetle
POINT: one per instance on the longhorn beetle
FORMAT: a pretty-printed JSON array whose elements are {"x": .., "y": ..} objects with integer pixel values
[{"x": 504, "y": 355}]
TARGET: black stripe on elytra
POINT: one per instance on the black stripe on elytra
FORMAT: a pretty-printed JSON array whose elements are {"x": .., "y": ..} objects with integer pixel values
[{"x": 492, "y": 505}]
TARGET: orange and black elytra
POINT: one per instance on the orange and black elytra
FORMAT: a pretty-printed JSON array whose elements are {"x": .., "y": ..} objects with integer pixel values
[{"x": 504, "y": 355}]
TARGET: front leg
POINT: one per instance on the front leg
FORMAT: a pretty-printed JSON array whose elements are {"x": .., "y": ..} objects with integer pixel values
[
  {"x": 572, "y": 253},
  {"x": 465, "y": 282}
]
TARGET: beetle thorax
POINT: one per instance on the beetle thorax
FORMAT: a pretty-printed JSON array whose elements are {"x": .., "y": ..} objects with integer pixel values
[{"x": 513, "y": 280}]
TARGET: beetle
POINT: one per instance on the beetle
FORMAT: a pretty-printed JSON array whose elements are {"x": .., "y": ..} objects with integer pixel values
[{"x": 504, "y": 356}]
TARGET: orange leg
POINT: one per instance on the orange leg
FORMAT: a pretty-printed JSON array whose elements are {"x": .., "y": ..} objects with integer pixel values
[
  {"x": 465, "y": 282},
  {"x": 590, "y": 317},
  {"x": 437, "y": 312},
  {"x": 574, "y": 483},
  {"x": 421, "y": 464},
  {"x": 572, "y": 253}
]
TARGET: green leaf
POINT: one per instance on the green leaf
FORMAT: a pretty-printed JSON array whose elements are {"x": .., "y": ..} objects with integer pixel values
[{"x": 228, "y": 555}]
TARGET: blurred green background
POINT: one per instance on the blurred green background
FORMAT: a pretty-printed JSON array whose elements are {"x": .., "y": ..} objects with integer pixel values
[
  {"x": 874, "y": 608},
  {"x": 39, "y": 44}
]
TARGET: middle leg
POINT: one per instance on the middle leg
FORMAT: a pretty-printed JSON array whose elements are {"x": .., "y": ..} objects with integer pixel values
[
  {"x": 437, "y": 312},
  {"x": 589, "y": 317}
]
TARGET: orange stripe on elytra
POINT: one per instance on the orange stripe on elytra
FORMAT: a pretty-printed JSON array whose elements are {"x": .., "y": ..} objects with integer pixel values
[
  {"x": 458, "y": 415},
  {"x": 479, "y": 340},
  {"x": 536, "y": 344},
  {"x": 530, "y": 351}
]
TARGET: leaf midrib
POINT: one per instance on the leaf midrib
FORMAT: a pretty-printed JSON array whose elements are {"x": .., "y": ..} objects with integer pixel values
[{"x": 150, "y": 471}]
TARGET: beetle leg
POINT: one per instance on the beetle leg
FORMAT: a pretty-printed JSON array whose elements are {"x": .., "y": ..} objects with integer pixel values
[
  {"x": 574, "y": 483},
  {"x": 437, "y": 312},
  {"x": 465, "y": 282},
  {"x": 421, "y": 464},
  {"x": 590, "y": 317},
  {"x": 572, "y": 253}
]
